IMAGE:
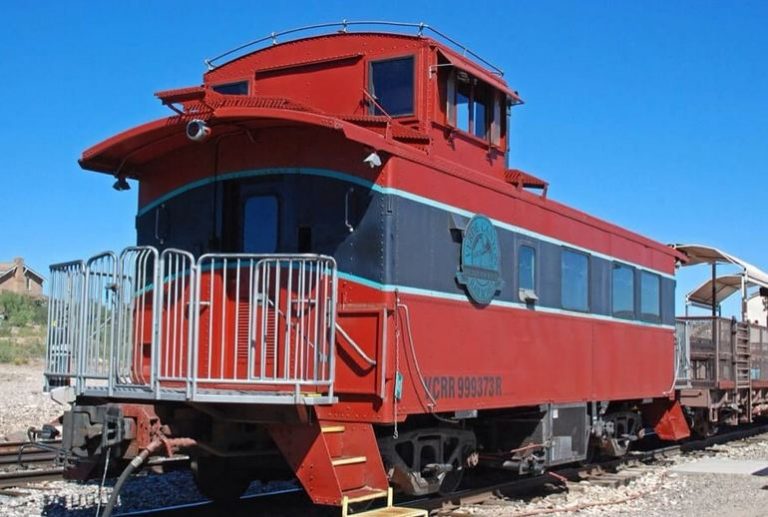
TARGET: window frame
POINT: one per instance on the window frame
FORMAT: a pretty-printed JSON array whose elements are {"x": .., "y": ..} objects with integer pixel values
[
  {"x": 646, "y": 316},
  {"x": 633, "y": 271},
  {"x": 531, "y": 246},
  {"x": 563, "y": 251},
  {"x": 493, "y": 127},
  {"x": 247, "y": 83},
  {"x": 278, "y": 220},
  {"x": 371, "y": 91}
]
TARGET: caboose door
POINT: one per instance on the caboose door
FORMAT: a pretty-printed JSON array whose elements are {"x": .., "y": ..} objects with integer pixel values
[{"x": 361, "y": 337}]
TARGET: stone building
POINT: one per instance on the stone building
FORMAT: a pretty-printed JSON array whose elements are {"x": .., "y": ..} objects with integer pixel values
[{"x": 18, "y": 278}]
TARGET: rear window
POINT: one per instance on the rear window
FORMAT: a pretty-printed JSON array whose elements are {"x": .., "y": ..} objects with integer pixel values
[
  {"x": 392, "y": 86},
  {"x": 238, "y": 88},
  {"x": 260, "y": 224}
]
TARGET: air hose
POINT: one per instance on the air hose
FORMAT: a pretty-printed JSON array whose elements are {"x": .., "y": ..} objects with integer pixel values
[{"x": 129, "y": 469}]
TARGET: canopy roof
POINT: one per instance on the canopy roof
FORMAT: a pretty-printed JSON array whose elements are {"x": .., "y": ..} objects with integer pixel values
[{"x": 725, "y": 285}]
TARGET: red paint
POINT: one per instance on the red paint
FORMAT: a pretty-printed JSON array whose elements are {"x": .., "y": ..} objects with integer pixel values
[
  {"x": 667, "y": 419},
  {"x": 307, "y": 107}
]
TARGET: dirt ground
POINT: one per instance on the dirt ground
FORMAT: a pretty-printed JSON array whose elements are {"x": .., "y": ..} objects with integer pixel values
[{"x": 22, "y": 401}]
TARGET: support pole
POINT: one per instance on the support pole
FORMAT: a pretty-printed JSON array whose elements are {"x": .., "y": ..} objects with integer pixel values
[
  {"x": 715, "y": 333},
  {"x": 744, "y": 283}
]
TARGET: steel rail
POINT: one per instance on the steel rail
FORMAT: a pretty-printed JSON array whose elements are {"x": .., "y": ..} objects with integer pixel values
[
  {"x": 344, "y": 24},
  {"x": 12, "y": 458},
  {"x": 573, "y": 473},
  {"x": 26, "y": 477}
]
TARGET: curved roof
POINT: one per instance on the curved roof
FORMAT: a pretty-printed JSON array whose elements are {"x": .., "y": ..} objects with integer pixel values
[{"x": 725, "y": 285}]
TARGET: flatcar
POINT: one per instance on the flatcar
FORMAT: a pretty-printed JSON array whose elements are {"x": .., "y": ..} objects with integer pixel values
[{"x": 337, "y": 277}]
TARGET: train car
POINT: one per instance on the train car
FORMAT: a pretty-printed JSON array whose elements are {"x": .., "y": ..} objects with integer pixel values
[
  {"x": 723, "y": 362},
  {"x": 337, "y": 276}
]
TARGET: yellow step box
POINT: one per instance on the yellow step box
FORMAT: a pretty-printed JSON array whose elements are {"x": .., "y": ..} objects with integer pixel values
[{"x": 387, "y": 511}]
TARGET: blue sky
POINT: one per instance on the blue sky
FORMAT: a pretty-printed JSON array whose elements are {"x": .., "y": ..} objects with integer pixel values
[{"x": 652, "y": 114}]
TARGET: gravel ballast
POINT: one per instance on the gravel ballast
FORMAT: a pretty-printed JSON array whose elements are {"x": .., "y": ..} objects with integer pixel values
[
  {"x": 22, "y": 401},
  {"x": 660, "y": 492}
]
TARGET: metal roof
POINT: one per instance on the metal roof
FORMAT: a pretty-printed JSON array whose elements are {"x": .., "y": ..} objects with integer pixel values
[
  {"x": 726, "y": 285},
  {"x": 700, "y": 254}
]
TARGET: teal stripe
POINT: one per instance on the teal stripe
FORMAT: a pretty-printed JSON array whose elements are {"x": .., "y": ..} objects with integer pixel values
[
  {"x": 255, "y": 173},
  {"x": 327, "y": 173},
  {"x": 495, "y": 303}
]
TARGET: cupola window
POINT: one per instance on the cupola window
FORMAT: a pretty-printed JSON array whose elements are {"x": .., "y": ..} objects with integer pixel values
[{"x": 391, "y": 85}]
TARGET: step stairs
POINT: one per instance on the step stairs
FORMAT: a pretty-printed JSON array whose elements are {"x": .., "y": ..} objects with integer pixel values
[
  {"x": 387, "y": 511},
  {"x": 338, "y": 463}
]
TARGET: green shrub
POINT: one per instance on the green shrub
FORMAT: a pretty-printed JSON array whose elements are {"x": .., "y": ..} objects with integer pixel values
[
  {"x": 22, "y": 329},
  {"x": 20, "y": 310},
  {"x": 15, "y": 351}
]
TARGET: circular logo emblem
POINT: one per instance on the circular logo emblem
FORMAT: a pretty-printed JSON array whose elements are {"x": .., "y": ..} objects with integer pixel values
[{"x": 480, "y": 270}]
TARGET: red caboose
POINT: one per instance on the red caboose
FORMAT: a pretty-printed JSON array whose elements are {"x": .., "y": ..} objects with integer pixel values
[{"x": 335, "y": 262}]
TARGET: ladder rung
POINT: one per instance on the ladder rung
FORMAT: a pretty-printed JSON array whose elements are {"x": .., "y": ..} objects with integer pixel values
[
  {"x": 348, "y": 460},
  {"x": 359, "y": 495}
]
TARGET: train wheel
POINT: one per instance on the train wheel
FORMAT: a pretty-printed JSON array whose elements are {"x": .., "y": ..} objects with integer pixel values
[
  {"x": 451, "y": 481},
  {"x": 700, "y": 424},
  {"x": 218, "y": 481}
]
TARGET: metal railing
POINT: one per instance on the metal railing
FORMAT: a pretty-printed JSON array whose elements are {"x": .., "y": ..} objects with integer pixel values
[
  {"x": 224, "y": 327},
  {"x": 758, "y": 347},
  {"x": 682, "y": 354},
  {"x": 711, "y": 345},
  {"x": 344, "y": 26}
]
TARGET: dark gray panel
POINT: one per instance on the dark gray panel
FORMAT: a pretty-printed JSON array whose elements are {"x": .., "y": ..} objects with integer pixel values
[
  {"x": 393, "y": 240},
  {"x": 427, "y": 250},
  {"x": 549, "y": 264},
  {"x": 184, "y": 222},
  {"x": 667, "y": 301},
  {"x": 600, "y": 286}
]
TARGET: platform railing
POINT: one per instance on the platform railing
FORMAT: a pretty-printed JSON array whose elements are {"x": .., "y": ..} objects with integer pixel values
[
  {"x": 278, "y": 314},
  {"x": 224, "y": 327},
  {"x": 65, "y": 307},
  {"x": 711, "y": 349},
  {"x": 758, "y": 347},
  {"x": 682, "y": 354}
]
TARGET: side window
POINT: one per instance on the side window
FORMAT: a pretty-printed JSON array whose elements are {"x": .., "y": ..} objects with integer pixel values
[
  {"x": 623, "y": 291},
  {"x": 260, "y": 224},
  {"x": 480, "y": 119},
  {"x": 650, "y": 299},
  {"x": 575, "y": 280},
  {"x": 392, "y": 86},
  {"x": 526, "y": 268},
  {"x": 238, "y": 88},
  {"x": 496, "y": 121},
  {"x": 463, "y": 93},
  {"x": 472, "y": 107}
]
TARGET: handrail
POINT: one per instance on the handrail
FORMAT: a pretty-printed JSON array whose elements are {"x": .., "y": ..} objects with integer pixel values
[
  {"x": 344, "y": 24},
  {"x": 357, "y": 348}
]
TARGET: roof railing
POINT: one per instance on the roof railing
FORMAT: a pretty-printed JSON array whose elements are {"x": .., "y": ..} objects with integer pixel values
[{"x": 344, "y": 25}]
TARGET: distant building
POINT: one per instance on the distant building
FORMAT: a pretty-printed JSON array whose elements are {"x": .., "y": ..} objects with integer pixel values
[
  {"x": 756, "y": 310},
  {"x": 18, "y": 278}
]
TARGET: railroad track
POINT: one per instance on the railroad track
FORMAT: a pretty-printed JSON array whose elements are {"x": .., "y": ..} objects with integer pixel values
[
  {"x": 20, "y": 478},
  {"x": 611, "y": 472},
  {"x": 14, "y": 473},
  {"x": 293, "y": 501},
  {"x": 9, "y": 453}
]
